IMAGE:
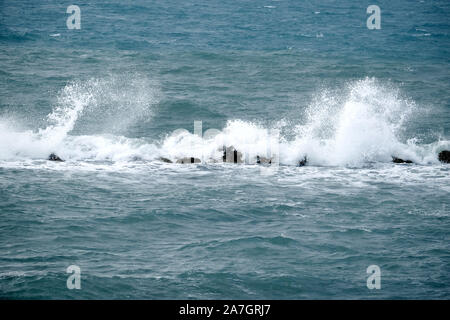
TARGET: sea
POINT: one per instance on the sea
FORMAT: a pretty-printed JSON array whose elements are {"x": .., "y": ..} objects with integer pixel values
[{"x": 121, "y": 90}]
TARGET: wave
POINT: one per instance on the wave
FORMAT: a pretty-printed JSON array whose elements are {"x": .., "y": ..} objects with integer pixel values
[
  {"x": 362, "y": 123},
  {"x": 100, "y": 108}
]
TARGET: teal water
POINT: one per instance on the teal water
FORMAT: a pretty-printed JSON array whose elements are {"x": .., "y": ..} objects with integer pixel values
[{"x": 286, "y": 79}]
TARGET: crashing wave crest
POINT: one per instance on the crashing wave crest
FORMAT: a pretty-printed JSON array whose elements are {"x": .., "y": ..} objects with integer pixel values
[{"x": 366, "y": 122}]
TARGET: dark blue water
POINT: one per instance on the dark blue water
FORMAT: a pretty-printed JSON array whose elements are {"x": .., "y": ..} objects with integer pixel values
[{"x": 282, "y": 79}]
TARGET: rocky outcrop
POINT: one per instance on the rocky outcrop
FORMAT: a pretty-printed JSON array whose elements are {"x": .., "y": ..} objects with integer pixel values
[
  {"x": 188, "y": 160},
  {"x": 263, "y": 160},
  {"x": 303, "y": 162},
  {"x": 398, "y": 160},
  {"x": 54, "y": 157},
  {"x": 444, "y": 156}
]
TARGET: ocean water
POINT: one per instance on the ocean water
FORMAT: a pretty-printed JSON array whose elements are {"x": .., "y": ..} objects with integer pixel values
[{"x": 282, "y": 79}]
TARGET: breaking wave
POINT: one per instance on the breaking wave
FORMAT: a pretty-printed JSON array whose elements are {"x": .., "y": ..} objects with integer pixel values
[{"x": 366, "y": 122}]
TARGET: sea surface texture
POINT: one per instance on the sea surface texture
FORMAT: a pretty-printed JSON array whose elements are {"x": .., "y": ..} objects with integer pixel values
[{"x": 287, "y": 80}]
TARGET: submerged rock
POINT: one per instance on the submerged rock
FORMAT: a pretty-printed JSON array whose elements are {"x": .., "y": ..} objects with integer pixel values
[
  {"x": 54, "y": 157},
  {"x": 444, "y": 156},
  {"x": 303, "y": 162},
  {"x": 188, "y": 160},
  {"x": 230, "y": 154},
  {"x": 398, "y": 160},
  {"x": 263, "y": 160}
]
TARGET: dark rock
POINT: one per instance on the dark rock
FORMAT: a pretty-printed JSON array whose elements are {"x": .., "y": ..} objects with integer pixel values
[
  {"x": 54, "y": 157},
  {"x": 398, "y": 160},
  {"x": 188, "y": 160},
  {"x": 444, "y": 156},
  {"x": 263, "y": 160},
  {"x": 303, "y": 162},
  {"x": 165, "y": 160}
]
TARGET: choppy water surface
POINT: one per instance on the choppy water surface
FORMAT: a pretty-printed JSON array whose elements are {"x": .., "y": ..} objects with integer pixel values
[{"x": 273, "y": 77}]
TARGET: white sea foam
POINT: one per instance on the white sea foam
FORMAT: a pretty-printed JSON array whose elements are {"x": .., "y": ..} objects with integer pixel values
[
  {"x": 364, "y": 123},
  {"x": 99, "y": 106}
]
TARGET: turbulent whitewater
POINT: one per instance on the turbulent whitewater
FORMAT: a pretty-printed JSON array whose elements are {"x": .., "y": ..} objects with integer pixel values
[{"x": 362, "y": 123}]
